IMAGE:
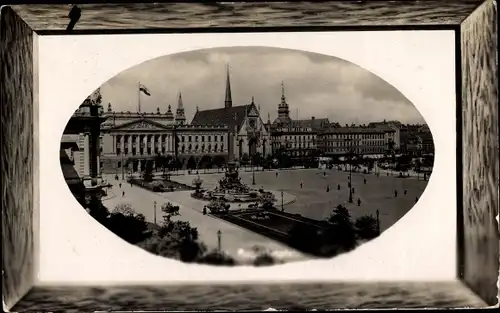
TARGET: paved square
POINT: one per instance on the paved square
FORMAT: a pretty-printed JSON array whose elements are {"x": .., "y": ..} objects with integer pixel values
[{"x": 313, "y": 201}]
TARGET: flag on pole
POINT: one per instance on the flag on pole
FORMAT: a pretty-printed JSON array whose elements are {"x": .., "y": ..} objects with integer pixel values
[{"x": 144, "y": 90}]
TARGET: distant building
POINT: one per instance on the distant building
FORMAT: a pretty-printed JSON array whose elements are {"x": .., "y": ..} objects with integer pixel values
[
  {"x": 249, "y": 133},
  {"x": 132, "y": 139},
  {"x": 296, "y": 138},
  {"x": 360, "y": 140}
]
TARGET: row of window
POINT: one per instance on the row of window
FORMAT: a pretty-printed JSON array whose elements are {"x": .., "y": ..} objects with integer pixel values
[
  {"x": 358, "y": 150},
  {"x": 296, "y": 137},
  {"x": 189, "y": 148},
  {"x": 209, "y": 138},
  {"x": 348, "y": 144}
]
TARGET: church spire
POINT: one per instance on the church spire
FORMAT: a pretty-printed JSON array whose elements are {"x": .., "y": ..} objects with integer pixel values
[
  {"x": 180, "y": 118},
  {"x": 228, "y": 103},
  {"x": 179, "y": 103},
  {"x": 283, "y": 99},
  {"x": 283, "y": 110}
]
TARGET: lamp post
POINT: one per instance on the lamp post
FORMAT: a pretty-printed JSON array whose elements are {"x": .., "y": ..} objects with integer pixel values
[
  {"x": 282, "y": 207},
  {"x": 122, "y": 165},
  {"x": 219, "y": 234},
  {"x": 378, "y": 222},
  {"x": 154, "y": 211},
  {"x": 350, "y": 169}
]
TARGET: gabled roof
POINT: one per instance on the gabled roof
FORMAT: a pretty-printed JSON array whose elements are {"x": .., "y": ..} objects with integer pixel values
[
  {"x": 139, "y": 124},
  {"x": 224, "y": 116}
]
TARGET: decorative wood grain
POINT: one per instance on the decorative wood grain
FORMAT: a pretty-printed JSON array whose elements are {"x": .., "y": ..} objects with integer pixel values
[
  {"x": 480, "y": 151},
  {"x": 255, "y": 297},
  {"x": 233, "y": 14},
  {"x": 16, "y": 94}
]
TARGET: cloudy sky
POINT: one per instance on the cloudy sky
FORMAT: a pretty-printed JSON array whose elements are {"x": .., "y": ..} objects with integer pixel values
[{"x": 315, "y": 85}]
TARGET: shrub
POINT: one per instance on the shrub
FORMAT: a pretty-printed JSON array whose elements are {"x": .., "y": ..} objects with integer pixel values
[
  {"x": 130, "y": 227},
  {"x": 215, "y": 257},
  {"x": 264, "y": 259}
]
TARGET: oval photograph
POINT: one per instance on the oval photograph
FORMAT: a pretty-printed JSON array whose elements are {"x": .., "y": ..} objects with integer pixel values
[{"x": 247, "y": 156}]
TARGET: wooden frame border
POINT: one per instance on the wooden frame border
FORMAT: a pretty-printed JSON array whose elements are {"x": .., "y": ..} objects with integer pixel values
[{"x": 475, "y": 25}]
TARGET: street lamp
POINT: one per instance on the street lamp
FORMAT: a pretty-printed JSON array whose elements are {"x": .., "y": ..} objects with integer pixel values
[
  {"x": 154, "y": 211},
  {"x": 378, "y": 222},
  {"x": 219, "y": 233},
  {"x": 122, "y": 165},
  {"x": 350, "y": 169},
  {"x": 282, "y": 207}
]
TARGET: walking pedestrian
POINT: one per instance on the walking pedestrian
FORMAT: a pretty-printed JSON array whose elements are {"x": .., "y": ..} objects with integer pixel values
[
  {"x": 406, "y": 191},
  {"x": 359, "y": 201},
  {"x": 353, "y": 190},
  {"x": 364, "y": 181},
  {"x": 123, "y": 193},
  {"x": 120, "y": 185},
  {"x": 300, "y": 185},
  {"x": 395, "y": 193},
  {"x": 324, "y": 173},
  {"x": 328, "y": 188},
  {"x": 276, "y": 174},
  {"x": 338, "y": 187}
]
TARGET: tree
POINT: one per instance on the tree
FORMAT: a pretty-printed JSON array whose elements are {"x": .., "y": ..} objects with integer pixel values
[
  {"x": 147, "y": 175},
  {"x": 244, "y": 159},
  {"x": 206, "y": 162},
  {"x": 126, "y": 224},
  {"x": 176, "y": 240},
  {"x": 304, "y": 237},
  {"x": 257, "y": 159},
  {"x": 341, "y": 230},
  {"x": 219, "y": 161},
  {"x": 267, "y": 200},
  {"x": 366, "y": 227},
  {"x": 169, "y": 211},
  {"x": 123, "y": 208},
  {"x": 191, "y": 163}
]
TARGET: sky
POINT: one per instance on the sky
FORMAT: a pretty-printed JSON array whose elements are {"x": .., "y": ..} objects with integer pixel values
[{"x": 315, "y": 85}]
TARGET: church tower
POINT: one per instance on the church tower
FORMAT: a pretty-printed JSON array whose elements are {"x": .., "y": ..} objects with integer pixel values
[
  {"x": 180, "y": 117},
  {"x": 283, "y": 110},
  {"x": 228, "y": 103}
]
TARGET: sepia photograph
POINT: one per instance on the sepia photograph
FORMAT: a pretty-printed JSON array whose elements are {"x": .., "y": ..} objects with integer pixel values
[{"x": 247, "y": 155}]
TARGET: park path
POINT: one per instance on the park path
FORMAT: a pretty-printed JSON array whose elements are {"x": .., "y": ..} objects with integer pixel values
[{"x": 235, "y": 240}]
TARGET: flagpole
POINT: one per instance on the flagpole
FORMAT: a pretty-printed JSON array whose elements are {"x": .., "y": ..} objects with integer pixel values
[{"x": 139, "y": 95}]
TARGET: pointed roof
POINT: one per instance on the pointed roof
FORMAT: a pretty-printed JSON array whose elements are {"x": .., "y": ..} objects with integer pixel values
[
  {"x": 283, "y": 99},
  {"x": 222, "y": 116},
  {"x": 228, "y": 99},
  {"x": 180, "y": 106}
]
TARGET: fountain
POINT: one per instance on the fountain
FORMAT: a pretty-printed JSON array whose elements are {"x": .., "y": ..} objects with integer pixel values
[{"x": 230, "y": 186}]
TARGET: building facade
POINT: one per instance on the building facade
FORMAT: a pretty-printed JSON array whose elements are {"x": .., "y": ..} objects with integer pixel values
[
  {"x": 132, "y": 139},
  {"x": 248, "y": 132},
  {"x": 295, "y": 138},
  {"x": 79, "y": 151},
  {"x": 358, "y": 140}
]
